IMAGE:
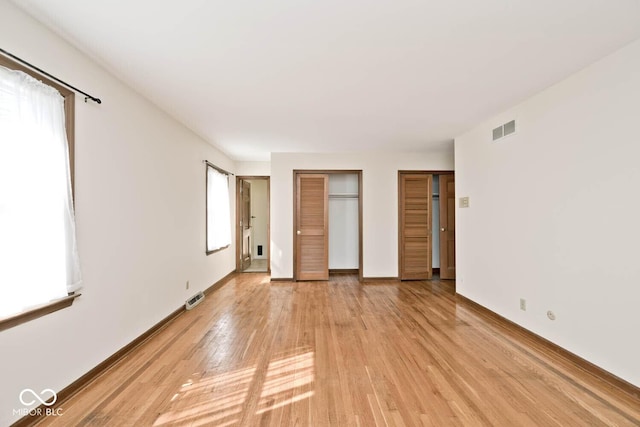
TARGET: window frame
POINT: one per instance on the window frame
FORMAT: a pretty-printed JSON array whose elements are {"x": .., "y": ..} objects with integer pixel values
[
  {"x": 206, "y": 204},
  {"x": 69, "y": 117}
]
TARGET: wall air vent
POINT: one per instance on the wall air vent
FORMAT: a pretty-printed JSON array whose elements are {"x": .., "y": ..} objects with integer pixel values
[
  {"x": 504, "y": 130},
  {"x": 497, "y": 133},
  {"x": 509, "y": 128},
  {"x": 193, "y": 301}
]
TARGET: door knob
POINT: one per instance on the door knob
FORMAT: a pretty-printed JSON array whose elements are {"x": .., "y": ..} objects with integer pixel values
[
  {"x": 299, "y": 232},
  {"x": 443, "y": 229}
]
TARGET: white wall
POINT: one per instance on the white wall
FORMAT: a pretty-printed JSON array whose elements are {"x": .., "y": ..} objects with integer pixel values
[
  {"x": 380, "y": 202},
  {"x": 140, "y": 187},
  {"x": 259, "y": 209},
  {"x": 536, "y": 227}
]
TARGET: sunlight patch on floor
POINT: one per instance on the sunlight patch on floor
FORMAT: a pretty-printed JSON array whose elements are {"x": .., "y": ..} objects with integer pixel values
[
  {"x": 214, "y": 398},
  {"x": 288, "y": 380},
  {"x": 220, "y": 399}
]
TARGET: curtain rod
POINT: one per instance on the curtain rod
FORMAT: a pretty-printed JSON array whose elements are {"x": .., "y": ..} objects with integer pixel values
[
  {"x": 217, "y": 168},
  {"x": 22, "y": 61}
]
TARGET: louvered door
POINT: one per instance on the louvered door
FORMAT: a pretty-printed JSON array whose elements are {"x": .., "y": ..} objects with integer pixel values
[
  {"x": 414, "y": 225},
  {"x": 312, "y": 227},
  {"x": 447, "y": 227}
]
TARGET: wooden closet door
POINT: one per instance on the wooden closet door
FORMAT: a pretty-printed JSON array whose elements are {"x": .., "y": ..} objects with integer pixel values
[
  {"x": 415, "y": 225},
  {"x": 447, "y": 227},
  {"x": 312, "y": 223}
]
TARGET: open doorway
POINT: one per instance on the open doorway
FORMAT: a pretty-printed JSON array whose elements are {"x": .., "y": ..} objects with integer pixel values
[
  {"x": 327, "y": 223},
  {"x": 252, "y": 224}
]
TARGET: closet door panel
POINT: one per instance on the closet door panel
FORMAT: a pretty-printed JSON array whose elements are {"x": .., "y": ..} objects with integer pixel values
[
  {"x": 414, "y": 226},
  {"x": 447, "y": 227},
  {"x": 312, "y": 220}
]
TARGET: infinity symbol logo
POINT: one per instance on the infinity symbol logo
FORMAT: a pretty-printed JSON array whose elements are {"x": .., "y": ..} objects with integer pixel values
[{"x": 37, "y": 397}]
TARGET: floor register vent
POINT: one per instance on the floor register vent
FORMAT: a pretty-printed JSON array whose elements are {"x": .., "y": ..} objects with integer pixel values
[{"x": 194, "y": 300}]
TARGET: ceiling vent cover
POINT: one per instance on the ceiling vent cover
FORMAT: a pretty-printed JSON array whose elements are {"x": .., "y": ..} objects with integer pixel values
[{"x": 506, "y": 129}]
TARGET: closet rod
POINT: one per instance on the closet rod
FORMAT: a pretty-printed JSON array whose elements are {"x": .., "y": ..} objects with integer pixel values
[{"x": 343, "y": 196}]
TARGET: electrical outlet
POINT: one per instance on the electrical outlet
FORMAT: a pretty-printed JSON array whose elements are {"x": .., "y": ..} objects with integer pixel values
[
  {"x": 523, "y": 304},
  {"x": 187, "y": 284}
]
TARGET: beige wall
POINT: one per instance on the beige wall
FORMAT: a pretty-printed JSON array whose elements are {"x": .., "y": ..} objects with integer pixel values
[
  {"x": 253, "y": 169},
  {"x": 553, "y": 214}
]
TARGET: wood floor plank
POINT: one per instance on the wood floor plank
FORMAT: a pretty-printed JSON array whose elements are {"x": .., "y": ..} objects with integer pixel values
[{"x": 343, "y": 353}]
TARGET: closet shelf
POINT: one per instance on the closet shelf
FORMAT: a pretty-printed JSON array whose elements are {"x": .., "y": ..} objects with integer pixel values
[{"x": 343, "y": 196}]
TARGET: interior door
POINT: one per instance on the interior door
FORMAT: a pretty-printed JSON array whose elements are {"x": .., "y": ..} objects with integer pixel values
[
  {"x": 245, "y": 223},
  {"x": 447, "y": 227},
  {"x": 414, "y": 225},
  {"x": 312, "y": 227}
]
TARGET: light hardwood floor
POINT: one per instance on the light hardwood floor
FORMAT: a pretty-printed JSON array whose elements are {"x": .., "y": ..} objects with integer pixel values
[{"x": 345, "y": 354}]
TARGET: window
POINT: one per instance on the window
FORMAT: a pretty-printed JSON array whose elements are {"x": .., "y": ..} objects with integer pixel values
[
  {"x": 39, "y": 265},
  {"x": 218, "y": 210}
]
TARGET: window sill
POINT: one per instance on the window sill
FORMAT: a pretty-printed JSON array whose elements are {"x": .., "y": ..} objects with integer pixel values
[
  {"x": 217, "y": 250},
  {"x": 39, "y": 311}
]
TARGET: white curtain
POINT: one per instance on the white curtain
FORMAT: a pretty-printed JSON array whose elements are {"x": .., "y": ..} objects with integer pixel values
[
  {"x": 218, "y": 210},
  {"x": 38, "y": 254}
]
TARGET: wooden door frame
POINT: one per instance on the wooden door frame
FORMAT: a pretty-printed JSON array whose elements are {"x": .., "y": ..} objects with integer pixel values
[
  {"x": 239, "y": 218},
  {"x": 297, "y": 172},
  {"x": 415, "y": 172}
]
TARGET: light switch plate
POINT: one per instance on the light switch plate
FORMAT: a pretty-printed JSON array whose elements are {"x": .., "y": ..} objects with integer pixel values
[{"x": 464, "y": 202}]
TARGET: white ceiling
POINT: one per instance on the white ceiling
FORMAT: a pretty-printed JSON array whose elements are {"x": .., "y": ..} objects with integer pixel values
[{"x": 260, "y": 76}]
